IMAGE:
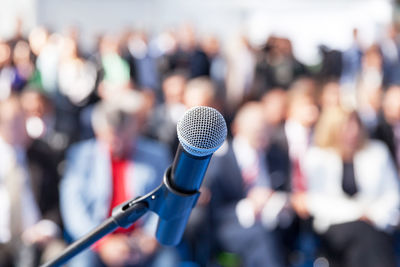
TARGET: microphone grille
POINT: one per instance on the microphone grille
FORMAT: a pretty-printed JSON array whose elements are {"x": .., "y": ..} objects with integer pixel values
[{"x": 201, "y": 131}]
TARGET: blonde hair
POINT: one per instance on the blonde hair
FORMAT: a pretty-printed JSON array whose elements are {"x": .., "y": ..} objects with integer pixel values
[{"x": 330, "y": 124}]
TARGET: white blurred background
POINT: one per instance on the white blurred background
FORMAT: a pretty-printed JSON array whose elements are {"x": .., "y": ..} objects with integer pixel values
[{"x": 308, "y": 23}]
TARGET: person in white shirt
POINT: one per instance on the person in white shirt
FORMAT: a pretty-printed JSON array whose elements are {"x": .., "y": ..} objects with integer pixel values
[
  {"x": 21, "y": 226},
  {"x": 302, "y": 115},
  {"x": 249, "y": 190},
  {"x": 352, "y": 192}
]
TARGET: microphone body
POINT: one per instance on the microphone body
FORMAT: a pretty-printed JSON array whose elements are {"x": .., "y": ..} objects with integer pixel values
[
  {"x": 188, "y": 170},
  {"x": 201, "y": 132},
  {"x": 182, "y": 182}
]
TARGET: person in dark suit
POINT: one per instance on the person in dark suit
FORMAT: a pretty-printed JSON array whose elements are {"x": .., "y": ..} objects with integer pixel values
[
  {"x": 247, "y": 186},
  {"x": 44, "y": 155},
  {"x": 23, "y": 227},
  {"x": 106, "y": 171},
  {"x": 388, "y": 127}
]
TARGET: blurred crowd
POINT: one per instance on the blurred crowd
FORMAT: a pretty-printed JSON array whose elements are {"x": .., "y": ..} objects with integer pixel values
[{"x": 308, "y": 176}]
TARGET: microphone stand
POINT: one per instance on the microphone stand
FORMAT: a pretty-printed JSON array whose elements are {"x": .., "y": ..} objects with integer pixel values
[{"x": 129, "y": 212}]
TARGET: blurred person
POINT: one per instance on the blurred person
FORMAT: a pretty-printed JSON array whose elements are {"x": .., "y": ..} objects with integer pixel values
[
  {"x": 276, "y": 66},
  {"x": 37, "y": 40},
  {"x": 45, "y": 151},
  {"x": 200, "y": 92},
  {"x": 351, "y": 63},
  {"x": 44, "y": 155},
  {"x": 101, "y": 173},
  {"x": 24, "y": 67},
  {"x": 294, "y": 229},
  {"x": 189, "y": 53},
  {"x": 105, "y": 91},
  {"x": 76, "y": 76},
  {"x": 275, "y": 109},
  {"x": 7, "y": 72},
  {"x": 369, "y": 87},
  {"x": 73, "y": 32},
  {"x": 166, "y": 44},
  {"x": 200, "y": 63},
  {"x": 352, "y": 192},
  {"x": 388, "y": 128},
  {"x": 179, "y": 56},
  {"x": 245, "y": 186},
  {"x": 390, "y": 48},
  {"x": 330, "y": 95},
  {"x": 76, "y": 79},
  {"x": 331, "y": 65},
  {"x": 76, "y": 85},
  {"x": 143, "y": 61},
  {"x": 302, "y": 115},
  {"x": 143, "y": 58},
  {"x": 212, "y": 48},
  {"x": 241, "y": 62},
  {"x": 18, "y": 33},
  {"x": 48, "y": 61},
  {"x": 116, "y": 70},
  {"x": 16, "y": 67},
  {"x": 164, "y": 118},
  {"x": 21, "y": 228},
  {"x": 275, "y": 106}
]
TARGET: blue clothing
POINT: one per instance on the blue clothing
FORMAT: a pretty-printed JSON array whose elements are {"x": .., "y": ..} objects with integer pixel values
[{"x": 86, "y": 188}]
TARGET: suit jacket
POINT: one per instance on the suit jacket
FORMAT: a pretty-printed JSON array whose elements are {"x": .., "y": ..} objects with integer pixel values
[
  {"x": 86, "y": 187},
  {"x": 43, "y": 161},
  {"x": 18, "y": 206},
  {"x": 376, "y": 178},
  {"x": 384, "y": 132},
  {"x": 225, "y": 179}
]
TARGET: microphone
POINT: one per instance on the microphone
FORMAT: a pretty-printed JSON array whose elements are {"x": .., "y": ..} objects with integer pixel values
[{"x": 201, "y": 131}]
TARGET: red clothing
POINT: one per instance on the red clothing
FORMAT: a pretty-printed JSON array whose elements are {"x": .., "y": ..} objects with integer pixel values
[
  {"x": 118, "y": 170},
  {"x": 119, "y": 167},
  {"x": 298, "y": 179}
]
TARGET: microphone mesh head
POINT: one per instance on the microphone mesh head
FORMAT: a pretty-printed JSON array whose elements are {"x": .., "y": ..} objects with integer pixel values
[{"x": 201, "y": 131}]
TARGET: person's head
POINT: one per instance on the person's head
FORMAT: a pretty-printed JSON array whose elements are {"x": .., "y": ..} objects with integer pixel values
[
  {"x": 109, "y": 44},
  {"x": 250, "y": 124},
  {"x": 285, "y": 47},
  {"x": 372, "y": 58},
  {"x": 21, "y": 53},
  {"x": 173, "y": 88},
  {"x": 302, "y": 104},
  {"x": 330, "y": 95},
  {"x": 210, "y": 45},
  {"x": 38, "y": 111},
  {"x": 275, "y": 106},
  {"x": 340, "y": 130},
  {"x": 38, "y": 39},
  {"x": 5, "y": 54},
  {"x": 391, "y": 104},
  {"x": 199, "y": 92},
  {"x": 187, "y": 37},
  {"x": 35, "y": 103},
  {"x": 116, "y": 122},
  {"x": 69, "y": 49},
  {"x": 12, "y": 122}
]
